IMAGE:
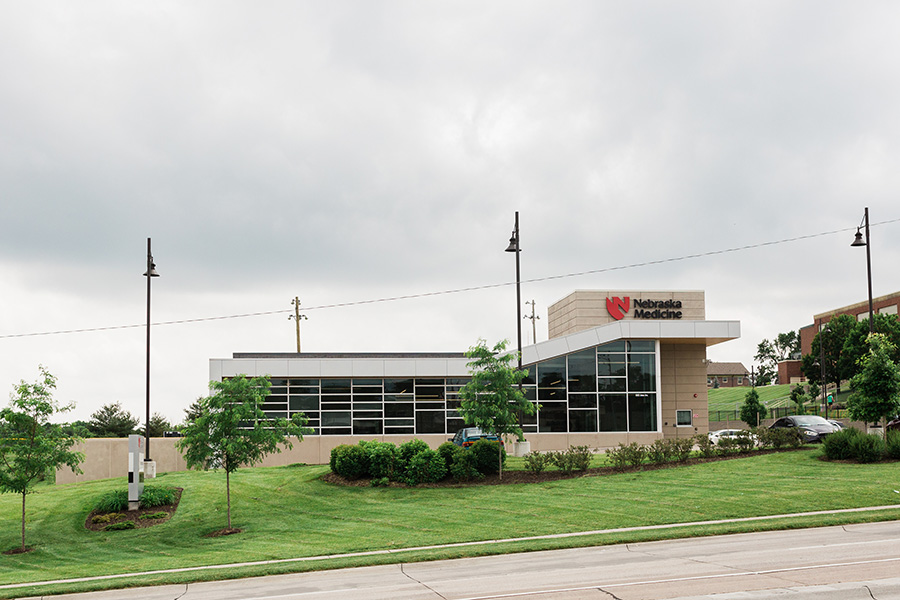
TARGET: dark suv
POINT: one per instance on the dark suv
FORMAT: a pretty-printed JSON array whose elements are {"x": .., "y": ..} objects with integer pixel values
[{"x": 811, "y": 427}]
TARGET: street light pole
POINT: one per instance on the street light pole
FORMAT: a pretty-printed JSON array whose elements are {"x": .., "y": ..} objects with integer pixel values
[
  {"x": 149, "y": 274},
  {"x": 514, "y": 247},
  {"x": 297, "y": 317},
  {"x": 822, "y": 364},
  {"x": 858, "y": 241}
]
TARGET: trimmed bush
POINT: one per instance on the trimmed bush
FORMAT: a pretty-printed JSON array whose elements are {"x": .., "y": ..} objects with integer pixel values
[
  {"x": 726, "y": 446},
  {"x": 426, "y": 466},
  {"x": 837, "y": 445},
  {"x": 745, "y": 441},
  {"x": 112, "y": 502},
  {"x": 683, "y": 448},
  {"x": 408, "y": 450},
  {"x": 575, "y": 458},
  {"x": 157, "y": 515},
  {"x": 632, "y": 455},
  {"x": 383, "y": 459},
  {"x": 349, "y": 461},
  {"x": 449, "y": 450},
  {"x": 486, "y": 460},
  {"x": 157, "y": 496},
  {"x": 705, "y": 445},
  {"x": 463, "y": 467},
  {"x": 380, "y": 482},
  {"x": 892, "y": 447},
  {"x": 660, "y": 451},
  {"x": 119, "y": 526},
  {"x": 536, "y": 462},
  {"x": 868, "y": 448}
]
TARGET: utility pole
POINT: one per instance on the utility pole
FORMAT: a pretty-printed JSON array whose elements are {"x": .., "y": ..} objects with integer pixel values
[
  {"x": 533, "y": 318},
  {"x": 297, "y": 317}
]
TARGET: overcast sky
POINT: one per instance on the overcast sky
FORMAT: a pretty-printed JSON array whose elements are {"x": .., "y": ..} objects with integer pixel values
[{"x": 352, "y": 151}]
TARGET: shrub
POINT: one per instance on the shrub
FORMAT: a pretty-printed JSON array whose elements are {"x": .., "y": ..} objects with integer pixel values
[
  {"x": 383, "y": 458},
  {"x": 408, "y": 450},
  {"x": 119, "y": 526},
  {"x": 426, "y": 466},
  {"x": 745, "y": 441},
  {"x": 536, "y": 462},
  {"x": 867, "y": 448},
  {"x": 892, "y": 447},
  {"x": 449, "y": 450},
  {"x": 705, "y": 445},
  {"x": 660, "y": 451},
  {"x": 726, "y": 446},
  {"x": 486, "y": 460},
  {"x": 683, "y": 447},
  {"x": 784, "y": 437},
  {"x": 349, "y": 461},
  {"x": 112, "y": 502},
  {"x": 632, "y": 455},
  {"x": 576, "y": 458},
  {"x": 837, "y": 445},
  {"x": 106, "y": 518},
  {"x": 157, "y": 496},
  {"x": 463, "y": 467},
  {"x": 157, "y": 515},
  {"x": 380, "y": 482}
]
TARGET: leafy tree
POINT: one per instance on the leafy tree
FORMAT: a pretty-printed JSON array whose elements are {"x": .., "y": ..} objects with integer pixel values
[
  {"x": 764, "y": 375},
  {"x": 798, "y": 398},
  {"x": 112, "y": 420},
  {"x": 492, "y": 399},
  {"x": 831, "y": 339},
  {"x": 856, "y": 345},
  {"x": 232, "y": 430},
  {"x": 752, "y": 411},
  {"x": 159, "y": 425},
  {"x": 769, "y": 354},
  {"x": 30, "y": 444},
  {"x": 77, "y": 429},
  {"x": 876, "y": 388}
]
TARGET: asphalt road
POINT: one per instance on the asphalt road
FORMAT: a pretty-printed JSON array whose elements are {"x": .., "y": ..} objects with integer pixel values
[{"x": 845, "y": 562}]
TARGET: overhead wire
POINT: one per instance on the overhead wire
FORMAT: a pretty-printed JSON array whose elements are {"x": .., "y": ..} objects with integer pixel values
[{"x": 451, "y": 291}]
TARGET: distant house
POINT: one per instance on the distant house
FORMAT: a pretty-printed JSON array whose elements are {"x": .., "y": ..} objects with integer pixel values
[{"x": 727, "y": 374}]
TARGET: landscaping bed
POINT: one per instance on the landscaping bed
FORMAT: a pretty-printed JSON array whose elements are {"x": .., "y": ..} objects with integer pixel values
[{"x": 140, "y": 518}]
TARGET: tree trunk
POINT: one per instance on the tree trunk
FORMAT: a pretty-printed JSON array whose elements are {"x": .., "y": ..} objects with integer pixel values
[
  {"x": 23, "y": 521},
  {"x": 228, "y": 494},
  {"x": 500, "y": 455}
]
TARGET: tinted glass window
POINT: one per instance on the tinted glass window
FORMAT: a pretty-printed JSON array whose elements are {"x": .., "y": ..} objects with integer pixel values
[{"x": 582, "y": 371}]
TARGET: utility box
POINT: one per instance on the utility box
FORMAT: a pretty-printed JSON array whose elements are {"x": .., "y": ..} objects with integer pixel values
[{"x": 135, "y": 470}]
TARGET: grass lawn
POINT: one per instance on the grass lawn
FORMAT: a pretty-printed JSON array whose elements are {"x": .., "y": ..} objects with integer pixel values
[
  {"x": 288, "y": 512},
  {"x": 773, "y": 396}
]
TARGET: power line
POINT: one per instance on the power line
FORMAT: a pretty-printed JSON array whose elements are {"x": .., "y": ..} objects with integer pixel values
[{"x": 453, "y": 291}]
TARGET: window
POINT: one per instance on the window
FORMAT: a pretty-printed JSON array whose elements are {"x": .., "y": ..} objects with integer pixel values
[{"x": 684, "y": 418}]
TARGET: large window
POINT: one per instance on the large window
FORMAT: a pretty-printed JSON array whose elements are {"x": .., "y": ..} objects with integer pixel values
[{"x": 608, "y": 388}]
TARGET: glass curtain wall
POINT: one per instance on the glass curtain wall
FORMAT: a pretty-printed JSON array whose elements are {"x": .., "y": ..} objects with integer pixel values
[{"x": 608, "y": 388}]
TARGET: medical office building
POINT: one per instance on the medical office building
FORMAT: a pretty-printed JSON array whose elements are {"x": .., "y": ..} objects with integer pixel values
[{"x": 619, "y": 367}]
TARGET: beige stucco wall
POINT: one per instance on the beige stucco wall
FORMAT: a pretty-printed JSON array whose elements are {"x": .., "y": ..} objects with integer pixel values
[
  {"x": 683, "y": 375},
  {"x": 584, "y": 309}
]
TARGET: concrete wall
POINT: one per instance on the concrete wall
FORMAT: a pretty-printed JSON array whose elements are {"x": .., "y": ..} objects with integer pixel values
[{"x": 683, "y": 374}]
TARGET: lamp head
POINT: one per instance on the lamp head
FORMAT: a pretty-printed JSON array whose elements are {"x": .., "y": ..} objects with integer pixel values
[
  {"x": 859, "y": 239},
  {"x": 512, "y": 244},
  {"x": 152, "y": 271}
]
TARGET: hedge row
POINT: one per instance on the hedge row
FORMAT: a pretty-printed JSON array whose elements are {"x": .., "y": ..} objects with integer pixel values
[
  {"x": 414, "y": 462},
  {"x": 853, "y": 444}
]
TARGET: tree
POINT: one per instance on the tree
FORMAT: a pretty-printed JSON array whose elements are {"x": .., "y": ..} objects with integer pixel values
[
  {"x": 159, "y": 425},
  {"x": 492, "y": 399},
  {"x": 769, "y": 354},
  {"x": 876, "y": 388},
  {"x": 232, "y": 431},
  {"x": 856, "y": 344},
  {"x": 830, "y": 339},
  {"x": 798, "y": 398},
  {"x": 112, "y": 420},
  {"x": 752, "y": 411},
  {"x": 30, "y": 444}
]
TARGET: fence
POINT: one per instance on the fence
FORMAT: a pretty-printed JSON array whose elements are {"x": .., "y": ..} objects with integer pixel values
[{"x": 777, "y": 413}]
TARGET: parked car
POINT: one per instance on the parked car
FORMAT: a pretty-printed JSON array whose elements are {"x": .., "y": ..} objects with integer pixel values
[
  {"x": 468, "y": 436},
  {"x": 837, "y": 424},
  {"x": 715, "y": 436},
  {"x": 813, "y": 428},
  {"x": 894, "y": 425}
]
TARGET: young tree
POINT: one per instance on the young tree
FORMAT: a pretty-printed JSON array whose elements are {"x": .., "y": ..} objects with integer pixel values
[
  {"x": 753, "y": 411},
  {"x": 876, "y": 388},
  {"x": 856, "y": 345},
  {"x": 232, "y": 430},
  {"x": 112, "y": 420},
  {"x": 492, "y": 400},
  {"x": 30, "y": 444},
  {"x": 798, "y": 398}
]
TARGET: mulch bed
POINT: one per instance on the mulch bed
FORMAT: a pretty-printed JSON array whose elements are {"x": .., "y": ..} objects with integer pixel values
[
  {"x": 514, "y": 477},
  {"x": 135, "y": 515}
]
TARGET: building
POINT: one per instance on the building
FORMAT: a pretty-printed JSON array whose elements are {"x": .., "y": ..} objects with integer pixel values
[
  {"x": 887, "y": 305},
  {"x": 619, "y": 367},
  {"x": 727, "y": 374}
]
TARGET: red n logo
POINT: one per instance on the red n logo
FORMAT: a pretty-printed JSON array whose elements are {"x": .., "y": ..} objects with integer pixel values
[{"x": 617, "y": 307}]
